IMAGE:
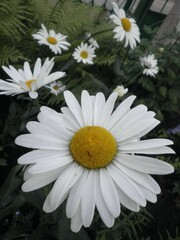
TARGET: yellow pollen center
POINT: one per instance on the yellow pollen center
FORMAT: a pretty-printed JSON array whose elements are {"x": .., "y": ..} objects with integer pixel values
[
  {"x": 126, "y": 24},
  {"x": 52, "y": 40},
  {"x": 93, "y": 147},
  {"x": 29, "y": 82},
  {"x": 84, "y": 54}
]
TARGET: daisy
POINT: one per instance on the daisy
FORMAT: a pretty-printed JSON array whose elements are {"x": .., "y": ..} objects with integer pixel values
[
  {"x": 94, "y": 156},
  {"x": 126, "y": 29},
  {"x": 57, "y": 87},
  {"x": 91, "y": 40},
  {"x": 120, "y": 90},
  {"x": 149, "y": 64},
  {"x": 84, "y": 53},
  {"x": 55, "y": 41},
  {"x": 25, "y": 80}
]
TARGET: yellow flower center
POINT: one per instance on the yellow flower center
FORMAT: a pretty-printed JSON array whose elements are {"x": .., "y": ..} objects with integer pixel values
[
  {"x": 29, "y": 82},
  {"x": 84, "y": 54},
  {"x": 52, "y": 40},
  {"x": 93, "y": 147},
  {"x": 126, "y": 24}
]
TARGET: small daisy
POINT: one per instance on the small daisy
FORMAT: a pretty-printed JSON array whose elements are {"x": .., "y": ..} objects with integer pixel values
[
  {"x": 94, "y": 156},
  {"x": 91, "y": 40},
  {"x": 57, "y": 87},
  {"x": 24, "y": 80},
  {"x": 149, "y": 64},
  {"x": 84, "y": 53},
  {"x": 126, "y": 29},
  {"x": 120, "y": 90},
  {"x": 55, "y": 41}
]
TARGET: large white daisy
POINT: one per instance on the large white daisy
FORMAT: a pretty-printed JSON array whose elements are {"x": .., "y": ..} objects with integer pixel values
[
  {"x": 127, "y": 29},
  {"x": 84, "y": 53},
  {"x": 94, "y": 156},
  {"x": 55, "y": 41},
  {"x": 149, "y": 64},
  {"x": 25, "y": 80}
]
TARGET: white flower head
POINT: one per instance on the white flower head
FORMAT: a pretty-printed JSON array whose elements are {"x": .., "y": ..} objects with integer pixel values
[
  {"x": 91, "y": 40},
  {"x": 84, "y": 53},
  {"x": 95, "y": 156},
  {"x": 57, "y": 87},
  {"x": 55, "y": 41},
  {"x": 149, "y": 64},
  {"x": 24, "y": 80},
  {"x": 120, "y": 90},
  {"x": 127, "y": 29}
]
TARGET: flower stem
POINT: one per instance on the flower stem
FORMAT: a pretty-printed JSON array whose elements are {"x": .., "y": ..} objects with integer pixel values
[{"x": 94, "y": 34}]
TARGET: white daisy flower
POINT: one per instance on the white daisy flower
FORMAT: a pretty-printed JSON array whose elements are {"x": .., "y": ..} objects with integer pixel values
[
  {"x": 126, "y": 29},
  {"x": 55, "y": 41},
  {"x": 91, "y": 40},
  {"x": 84, "y": 53},
  {"x": 120, "y": 90},
  {"x": 94, "y": 156},
  {"x": 24, "y": 80},
  {"x": 57, "y": 87},
  {"x": 149, "y": 64}
]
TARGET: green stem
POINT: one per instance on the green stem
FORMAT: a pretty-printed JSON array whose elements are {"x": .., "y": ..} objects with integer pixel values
[
  {"x": 132, "y": 79},
  {"x": 125, "y": 56},
  {"x": 54, "y": 8},
  {"x": 94, "y": 34}
]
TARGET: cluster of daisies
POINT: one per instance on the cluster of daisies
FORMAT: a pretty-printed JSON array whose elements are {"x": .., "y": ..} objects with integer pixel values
[
  {"x": 93, "y": 153},
  {"x": 25, "y": 80}
]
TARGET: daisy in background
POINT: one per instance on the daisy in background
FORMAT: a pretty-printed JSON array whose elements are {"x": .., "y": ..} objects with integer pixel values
[
  {"x": 120, "y": 90},
  {"x": 57, "y": 87},
  {"x": 24, "y": 80},
  {"x": 127, "y": 29},
  {"x": 149, "y": 64},
  {"x": 91, "y": 40},
  {"x": 94, "y": 156},
  {"x": 84, "y": 53},
  {"x": 55, "y": 41}
]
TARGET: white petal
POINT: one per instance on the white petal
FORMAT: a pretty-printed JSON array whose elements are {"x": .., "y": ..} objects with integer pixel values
[
  {"x": 88, "y": 199},
  {"x": 109, "y": 193},
  {"x": 49, "y": 165},
  {"x": 75, "y": 195},
  {"x": 40, "y": 180},
  {"x": 126, "y": 185},
  {"x": 133, "y": 130},
  {"x": 151, "y": 197},
  {"x": 87, "y": 110},
  {"x": 126, "y": 201},
  {"x": 74, "y": 107},
  {"x": 39, "y": 141},
  {"x": 61, "y": 187},
  {"x": 68, "y": 120},
  {"x": 104, "y": 213},
  {"x": 120, "y": 111},
  {"x": 129, "y": 116},
  {"x": 39, "y": 156},
  {"x": 146, "y": 144},
  {"x": 98, "y": 107},
  {"x": 142, "y": 179},
  {"x": 145, "y": 164},
  {"x": 76, "y": 221},
  {"x": 108, "y": 108},
  {"x": 153, "y": 151}
]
